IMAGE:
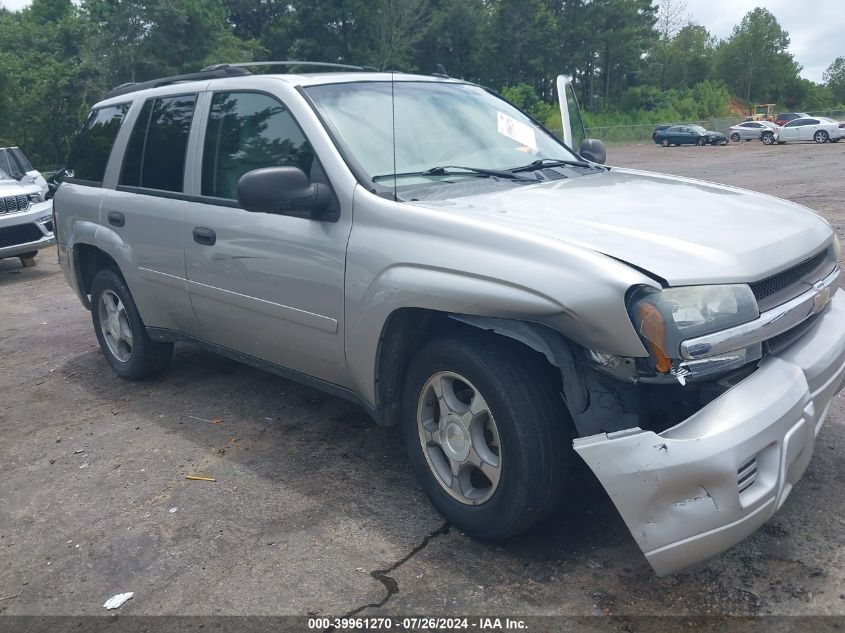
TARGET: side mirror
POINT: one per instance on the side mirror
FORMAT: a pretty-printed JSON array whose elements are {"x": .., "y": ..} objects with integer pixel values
[
  {"x": 286, "y": 191},
  {"x": 593, "y": 150}
]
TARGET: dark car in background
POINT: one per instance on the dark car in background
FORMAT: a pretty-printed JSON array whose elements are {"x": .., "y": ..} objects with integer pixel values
[
  {"x": 688, "y": 135},
  {"x": 785, "y": 117}
]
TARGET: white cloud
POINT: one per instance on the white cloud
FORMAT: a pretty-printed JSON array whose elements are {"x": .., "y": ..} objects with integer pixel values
[
  {"x": 815, "y": 28},
  {"x": 14, "y": 5}
]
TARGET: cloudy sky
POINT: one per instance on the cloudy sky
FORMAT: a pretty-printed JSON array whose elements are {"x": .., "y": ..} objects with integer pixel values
[{"x": 816, "y": 27}]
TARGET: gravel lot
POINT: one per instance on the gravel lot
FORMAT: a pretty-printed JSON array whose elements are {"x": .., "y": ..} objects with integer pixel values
[{"x": 314, "y": 509}]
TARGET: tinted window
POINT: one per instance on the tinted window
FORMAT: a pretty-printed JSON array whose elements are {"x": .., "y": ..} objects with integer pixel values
[
  {"x": 793, "y": 123},
  {"x": 155, "y": 155},
  {"x": 10, "y": 164},
  {"x": 23, "y": 161},
  {"x": 5, "y": 170},
  {"x": 811, "y": 122},
  {"x": 91, "y": 149},
  {"x": 248, "y": 131}
]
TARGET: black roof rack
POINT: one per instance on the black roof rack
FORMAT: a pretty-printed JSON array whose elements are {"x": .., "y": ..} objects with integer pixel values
[
  {"x": 291, "y": 62},
  {"x": 215, "y": 73},
  {"x": 218, "y": 71}
]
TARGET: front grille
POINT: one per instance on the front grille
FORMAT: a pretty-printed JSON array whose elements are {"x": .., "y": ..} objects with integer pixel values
[
  {"x": 746, "y": 475},
  {"x": 12, "y": 204},
  {"x": 21, "y": 234},
  {"x": 776, "y": 289},
  {"x": 782, "y": 341}
]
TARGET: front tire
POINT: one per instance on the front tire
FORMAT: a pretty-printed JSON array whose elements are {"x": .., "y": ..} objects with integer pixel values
[
  {"x": 120, "y": 331},
  {"x": 735, "y": 137},
  {"x": 486, "y": 432},
  {"x": 768, "y": 138}
]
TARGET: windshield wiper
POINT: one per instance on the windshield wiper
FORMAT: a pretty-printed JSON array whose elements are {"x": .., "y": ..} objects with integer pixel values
[
  {"x": 551, "y": 162},
  {"x": 447, "y": 170}
]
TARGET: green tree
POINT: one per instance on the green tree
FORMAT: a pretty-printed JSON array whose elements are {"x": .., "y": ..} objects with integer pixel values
[
  {"x": 834, "y": 77},
  {"x": 754, "y": 60}
]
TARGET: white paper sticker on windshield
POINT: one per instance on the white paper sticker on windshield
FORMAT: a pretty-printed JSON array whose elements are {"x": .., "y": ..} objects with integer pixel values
[{"x": 516, "y": 130}]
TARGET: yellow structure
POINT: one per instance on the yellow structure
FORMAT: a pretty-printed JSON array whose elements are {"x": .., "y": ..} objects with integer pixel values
[{"x": 763, "y": 112}]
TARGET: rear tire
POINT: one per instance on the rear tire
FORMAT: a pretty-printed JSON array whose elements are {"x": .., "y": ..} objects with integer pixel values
[
  {"x": 120, "y": 331},
  {"x": 768, "y": 138},
  {"x": 821, "y": 137},
  {"x": 665, "y": 142},
  {"x": 526, "y": 450}
]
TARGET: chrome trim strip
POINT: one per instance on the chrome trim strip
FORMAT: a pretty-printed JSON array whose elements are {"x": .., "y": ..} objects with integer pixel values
[{"x": 770, "y": 323}]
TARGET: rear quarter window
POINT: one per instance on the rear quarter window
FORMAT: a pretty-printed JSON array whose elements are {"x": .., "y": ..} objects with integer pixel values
[{"x": 93, "y": 144}]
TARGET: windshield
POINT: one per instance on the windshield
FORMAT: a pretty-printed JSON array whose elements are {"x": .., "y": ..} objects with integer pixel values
[
  {"x": 4, "y": 175},
  {"x": 697, "y": 128},
  {"x": 436, "y": 124}
]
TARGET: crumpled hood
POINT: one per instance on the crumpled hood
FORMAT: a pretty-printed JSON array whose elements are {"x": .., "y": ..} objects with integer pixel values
[
  {"x": 682, "y": 230},
  {"x": 15, "y": 188}
]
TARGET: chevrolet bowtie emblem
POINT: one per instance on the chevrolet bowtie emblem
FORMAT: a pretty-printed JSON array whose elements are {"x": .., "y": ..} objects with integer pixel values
[{"x": 821, "y": 299}]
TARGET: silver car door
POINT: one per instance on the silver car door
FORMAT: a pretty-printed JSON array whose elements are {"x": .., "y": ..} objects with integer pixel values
[
  {"x": 265, "y": 285},
  {"x": 808, "y": 130},
  {"x": 146, "y": 209},
  {"x": 789, "y": 132}
]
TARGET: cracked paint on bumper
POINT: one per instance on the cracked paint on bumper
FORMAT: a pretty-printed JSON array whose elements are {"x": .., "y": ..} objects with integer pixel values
[{"x": 679, "y": 491}]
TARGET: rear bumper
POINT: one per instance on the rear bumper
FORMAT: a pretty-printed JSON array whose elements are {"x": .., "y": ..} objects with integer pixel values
[
  {"x": 698, "y": 488},
  {"x": 25, "y": 232}
]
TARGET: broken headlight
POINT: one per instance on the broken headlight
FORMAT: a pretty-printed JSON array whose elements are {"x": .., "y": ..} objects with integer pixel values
[{"x": 665, "y": 318}]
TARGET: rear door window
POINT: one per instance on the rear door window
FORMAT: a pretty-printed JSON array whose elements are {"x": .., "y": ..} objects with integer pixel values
[
  {"x": 89, "y": 155},
  {"x": 158, "y": 145}
]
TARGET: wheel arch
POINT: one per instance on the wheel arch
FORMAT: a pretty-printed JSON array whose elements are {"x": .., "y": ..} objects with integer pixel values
[
  {"x": 90, "y": 259},
  {"x": 408, "y": 329}
]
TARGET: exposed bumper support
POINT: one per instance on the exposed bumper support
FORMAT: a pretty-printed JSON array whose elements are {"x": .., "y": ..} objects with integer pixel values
[{"x": 685, "y": 493}]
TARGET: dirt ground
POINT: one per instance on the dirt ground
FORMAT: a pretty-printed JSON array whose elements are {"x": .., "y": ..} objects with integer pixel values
[{"x": 315, "y": 510}]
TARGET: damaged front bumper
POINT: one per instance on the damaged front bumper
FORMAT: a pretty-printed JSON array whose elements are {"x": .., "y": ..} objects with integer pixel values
[{"x": 705, "y": 484}]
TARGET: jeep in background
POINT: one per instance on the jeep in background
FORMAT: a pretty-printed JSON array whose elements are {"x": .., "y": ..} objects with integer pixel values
[
  {"x": 422, "y": 247},
  {"x": 26, "y": 222}
]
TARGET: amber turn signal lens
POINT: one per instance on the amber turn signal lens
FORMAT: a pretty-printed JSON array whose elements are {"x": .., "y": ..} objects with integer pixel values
[{"x": 653, "y": 329}]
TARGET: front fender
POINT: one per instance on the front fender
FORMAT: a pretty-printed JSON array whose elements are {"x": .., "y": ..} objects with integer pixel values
[{"x": 407, "y": 256}]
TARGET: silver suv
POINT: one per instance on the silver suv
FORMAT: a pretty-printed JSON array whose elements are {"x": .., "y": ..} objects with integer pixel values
[
  {"x": 422, "y": 247},
  {"x": 26, "y": 221}
]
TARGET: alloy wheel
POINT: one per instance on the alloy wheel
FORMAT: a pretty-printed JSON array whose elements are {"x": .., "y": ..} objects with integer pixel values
[
  {"x": 115, "y": 325},
  {"x": 459, "y": 438}
]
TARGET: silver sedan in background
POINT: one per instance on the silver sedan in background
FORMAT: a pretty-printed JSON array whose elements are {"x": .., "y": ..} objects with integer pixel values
[{"x": 750, "y": 130}]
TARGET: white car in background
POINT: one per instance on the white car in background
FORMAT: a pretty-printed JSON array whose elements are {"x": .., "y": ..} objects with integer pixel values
[
  {"x": 751, "y": 130},
  {"x": 819, "y": 129},
  {"x": 26, "y": 220}
]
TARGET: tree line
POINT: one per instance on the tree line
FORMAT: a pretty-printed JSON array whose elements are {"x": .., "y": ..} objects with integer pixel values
[{"x": 631, "y": 60}]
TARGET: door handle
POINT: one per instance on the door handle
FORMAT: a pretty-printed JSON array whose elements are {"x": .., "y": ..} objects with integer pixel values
[
  {"x": 116, "y": 218},
  {"x": 203, "y": 235}
]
